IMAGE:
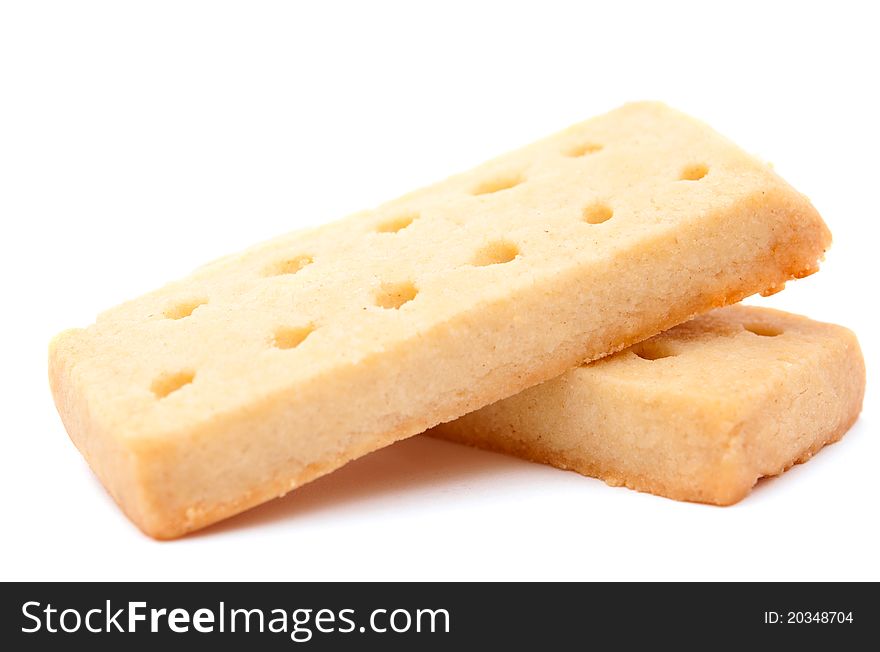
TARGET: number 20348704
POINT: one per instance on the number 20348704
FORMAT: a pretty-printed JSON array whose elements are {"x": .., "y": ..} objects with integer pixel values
[{"x": 804, "y": 617}]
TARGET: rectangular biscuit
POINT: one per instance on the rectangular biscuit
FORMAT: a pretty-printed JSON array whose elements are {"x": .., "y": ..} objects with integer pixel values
[
  {"x": 697, "y": 413},
  {"x": 269, "y": 368}
]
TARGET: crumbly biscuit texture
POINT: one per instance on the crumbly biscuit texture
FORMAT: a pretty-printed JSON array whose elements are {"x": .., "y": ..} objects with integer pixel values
[
  {"x": 269, "y": 368},
  {"x": 697, "y": 413}
]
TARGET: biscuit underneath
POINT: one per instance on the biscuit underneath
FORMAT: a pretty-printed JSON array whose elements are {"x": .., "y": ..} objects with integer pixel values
[{"x": 699, "y": 413}]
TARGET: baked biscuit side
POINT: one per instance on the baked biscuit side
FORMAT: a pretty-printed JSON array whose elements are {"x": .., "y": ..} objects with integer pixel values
[
  {"x": 814, "y": 405},
  {"x": 744, "y": 393}
]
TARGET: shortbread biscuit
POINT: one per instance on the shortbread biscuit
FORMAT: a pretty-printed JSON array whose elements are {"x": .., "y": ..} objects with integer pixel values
[
  {"x": 697, "y": 413},
  {"x": 269, "y": 368}
]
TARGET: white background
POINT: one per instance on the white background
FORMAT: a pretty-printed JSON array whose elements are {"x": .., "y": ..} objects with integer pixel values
[{"x": 138, "y": 140}]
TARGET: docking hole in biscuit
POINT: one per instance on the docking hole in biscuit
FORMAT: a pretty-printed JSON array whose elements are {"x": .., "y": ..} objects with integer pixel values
[
  {"x": 291, "y": 337},
  {"x": 653, "y": 350},
  {"x": 597, "y": 213},
  {"x": 583, "y": 149},
  {"x": 496, "y": 253},
  {"x": 398, "y": 223},
  {"x": 694, "y": 172},
  {"x": 393, "y": 295},
  {"x": 498, "y": 184},
  {"x": 764, "y": 330},
  {"x": 169, "y": 383},
  {"x": 289, "y": 265},
  {"x": 184, "y": 308}
]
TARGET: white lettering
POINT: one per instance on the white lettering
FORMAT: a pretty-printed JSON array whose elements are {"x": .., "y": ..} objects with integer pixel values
[
  {"x": 134, "y": 616},
  {"x": 433, "y": 613},
  {"x": 298, "y": 629},
  {"x": 89, "y": 627},
  {"x": 77, "y": 619},
  {"x": 178, "y": 620},
  {"x": 343, "y": 617},
  {"x": 373, "y": 620},
  {"x": 49, "y": 611},
  {"x": 112, "y": 620},
  {"x": 323, "y": 616},
  {"x": 24, "y": 611},
  {"x": 154, "y": 618},
  {"x": 280, "y": 619},
  {"x": 203, "y": 621},
  {"x": 247, "y": 618},
  {"x": 408, "y": 620}
]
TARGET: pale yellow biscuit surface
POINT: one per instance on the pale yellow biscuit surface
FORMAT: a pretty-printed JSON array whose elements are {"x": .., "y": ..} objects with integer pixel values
[
  {"x": 269, "y": 368},
  {"x": 697, "y": 413}
]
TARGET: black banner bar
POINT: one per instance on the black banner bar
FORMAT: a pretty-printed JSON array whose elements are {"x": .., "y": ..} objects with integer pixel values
[{"x": 427, "y": 616}]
